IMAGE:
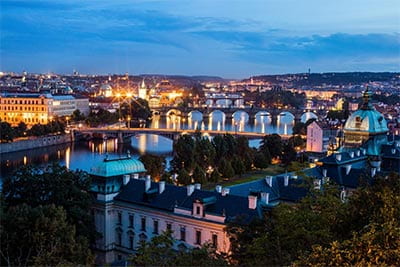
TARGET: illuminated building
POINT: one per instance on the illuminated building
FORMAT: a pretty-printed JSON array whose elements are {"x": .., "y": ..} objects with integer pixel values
[
  {"x": 130, "y": 209},
  {"x": 142, "y": 91},
  {"x": 38, "y": 108},
  {"x": 105, "y": 90}
]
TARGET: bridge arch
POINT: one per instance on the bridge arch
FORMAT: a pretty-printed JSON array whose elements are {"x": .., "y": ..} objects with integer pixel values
[
  {"x": 174, "y": 111},
  {"x": 308, "y": 115},
  {"x": 263, "y": 117},
  {"x": 285, "y": 117},
  {"x": 216, "y": 113},
  {"x": 240, "y": 116},
  {"x": 194, "y": 113}
]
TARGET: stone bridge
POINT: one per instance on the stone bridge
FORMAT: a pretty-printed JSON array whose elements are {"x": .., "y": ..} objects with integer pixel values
[
  {"x": 124, "y": 134},
  {"x": 229, "y": 112}
]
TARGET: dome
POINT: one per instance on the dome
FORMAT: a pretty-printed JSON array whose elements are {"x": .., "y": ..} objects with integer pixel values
[
  {"x": 106, "y": 87},
  {"x": 117, "y": 167},
  {"x": 366, "y": 119}
]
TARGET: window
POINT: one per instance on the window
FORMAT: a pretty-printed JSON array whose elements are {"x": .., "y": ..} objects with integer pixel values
[
  {"x": 183, "y": 233},
  {"x": 131, "y": 242},
  {"x": 131, "y": 220},
  {"x": 169, "y": 226},
  {"x": 215, "y": 240},
  {"x": 119, "y": 216},
  {"x": 119, "y": 238},
  {"x": 155, "y": 224},
  {"x": 198, "y": 237},
  {"x": 143, "y": 224},
  {"x": 197, "y": 210}
]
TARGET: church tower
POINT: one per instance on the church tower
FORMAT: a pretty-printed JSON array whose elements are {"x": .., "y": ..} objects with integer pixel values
[{"x": 142, "y": 91}]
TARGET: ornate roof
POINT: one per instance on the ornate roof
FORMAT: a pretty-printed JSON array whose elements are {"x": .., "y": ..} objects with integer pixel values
[
  {"x": 117, "y": 167},
  {"x": 366, "y": 119}
]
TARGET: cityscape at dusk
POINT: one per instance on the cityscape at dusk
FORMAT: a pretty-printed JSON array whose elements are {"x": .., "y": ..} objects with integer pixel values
[
  {"x": 231, "y": 39},
  {"x": 199, "y": 133}
]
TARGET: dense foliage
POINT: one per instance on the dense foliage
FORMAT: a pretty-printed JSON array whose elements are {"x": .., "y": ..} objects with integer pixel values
[
  {"x": 101, "y": 116},
  {"x": 155, "y": 165},
  {"x": 200, "y": 160},
  {"x": 8, "y": 133},
  {"x": 280, "y": 98},
  {"x": 46, "y": 217},
  {"x": 322, "y": 230}
]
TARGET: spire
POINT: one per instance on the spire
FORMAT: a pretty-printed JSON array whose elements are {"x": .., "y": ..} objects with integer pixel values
[
  {"x": 143, "y": 85},
  {"x": 367, "y": 95}
]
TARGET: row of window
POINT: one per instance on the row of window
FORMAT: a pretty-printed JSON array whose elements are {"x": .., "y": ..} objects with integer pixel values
[
  {"x": 29, "y": 108},
  {"x": 26, "y": 102},
  {"x": 182, "y": 232},
  {"x": 28, "y": 120}
]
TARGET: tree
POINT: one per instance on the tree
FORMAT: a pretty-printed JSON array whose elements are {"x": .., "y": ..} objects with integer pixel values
[
  {"x": 238, "y": 165},
  {"x": 77, "y": 115},
  {"x": 20, "y": 130},
  {"x": 199, "y": 175},
  {"x": 139, "y": 109},
  {"x": 155, "y": 165},
  {"x": 184, "y": 177},
  {"x": 184, "y": 149},
  {"x": 6, "y": 132},
  {"x": 41, "y": 236},
  {"x": 54, "y": 185},
  {"x": 226, "y": 168},
  {"x": 260, "y": 161},
  {"x": 204, "y": 152},
  {"x": 215, "y": 176},
  {"x": 288, "y": 154},
  {"x": 272, "y": 143}
]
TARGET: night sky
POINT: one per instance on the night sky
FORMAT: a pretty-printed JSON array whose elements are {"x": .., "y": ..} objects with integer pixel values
[{"x": 232, "y": 39}]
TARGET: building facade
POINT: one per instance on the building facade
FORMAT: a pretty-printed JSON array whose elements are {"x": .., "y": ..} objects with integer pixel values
[
  {"x": 319, "y": 137},
  {"x": 38, "y": 108},
  {"x": 130, "y": 209}
]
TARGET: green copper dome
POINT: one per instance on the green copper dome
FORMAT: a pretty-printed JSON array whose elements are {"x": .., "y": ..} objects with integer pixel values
[
  {"x": 366, "y": 119},
  {"x": 117, "y": 167}
]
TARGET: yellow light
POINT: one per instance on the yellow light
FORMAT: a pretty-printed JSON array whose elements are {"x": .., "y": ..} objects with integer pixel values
[
  {"x": 129, "y": 95},
  {"x": 118, "y": 95}
]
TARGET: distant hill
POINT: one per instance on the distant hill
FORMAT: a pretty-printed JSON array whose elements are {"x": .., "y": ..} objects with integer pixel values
[{"x": 334, "y": 78}]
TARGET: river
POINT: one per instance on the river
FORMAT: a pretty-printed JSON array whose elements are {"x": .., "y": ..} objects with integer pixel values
[{"x": 83, "y": 155}]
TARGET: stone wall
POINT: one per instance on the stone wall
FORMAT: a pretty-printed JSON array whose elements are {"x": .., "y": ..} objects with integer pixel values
[{"x": 35, "y": 142}]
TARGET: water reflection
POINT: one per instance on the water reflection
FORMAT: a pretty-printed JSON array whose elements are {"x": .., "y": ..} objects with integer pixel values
[{"x": 217, "y": 120}]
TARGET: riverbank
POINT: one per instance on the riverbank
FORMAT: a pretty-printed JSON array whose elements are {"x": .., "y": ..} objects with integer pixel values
[{"x": 34, "y": 143}]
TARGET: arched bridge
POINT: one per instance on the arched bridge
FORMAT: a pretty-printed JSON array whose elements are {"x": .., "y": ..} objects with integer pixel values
[
  {"x": 252, "y": 112},
  {"x": 125, "y": 134}
]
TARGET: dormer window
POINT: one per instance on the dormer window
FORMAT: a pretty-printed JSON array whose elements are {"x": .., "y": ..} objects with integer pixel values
[{"x": 198, "y": 208}]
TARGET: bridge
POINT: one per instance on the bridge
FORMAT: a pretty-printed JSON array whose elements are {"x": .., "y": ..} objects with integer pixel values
[
  {"x": 124, "y": 134},
  {"x": 229, "y": 112}
]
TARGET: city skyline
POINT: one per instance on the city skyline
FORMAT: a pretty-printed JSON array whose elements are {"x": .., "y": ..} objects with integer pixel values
[{"x": 231, "y": 39}]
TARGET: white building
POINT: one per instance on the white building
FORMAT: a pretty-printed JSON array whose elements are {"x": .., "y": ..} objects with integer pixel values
[
  {"x": 319, "y": 135},
  {"x": 142, "y": 91},
  {"x": 129, "y": 209},
  {"x": 65, "y": 105}
]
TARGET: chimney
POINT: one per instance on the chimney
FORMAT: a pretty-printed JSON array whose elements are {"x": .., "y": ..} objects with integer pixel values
[
  {"x": 286, "y": 180},
  {"x": 324, "y": 172},
  {"x": 218, "y": 188},
  {"x": 190, "y": 189},
  {"x": 348, "y": 169},
  {"x": 268, "y": 179},
  {"x": 338, "y": 157},
  {"x": 197, "y": 186},
  {"x": 252, "y": 202},
  {"x": 294, "y": 177},
  {"x": 265, "y": 197},
  {"x": 364, "y": 151},
  {"x": 373, "y": 172},
  {"x": 147, "y": 183},
  {"x": 351, "y": 154},
  {"x": 126, "y": 179},
  {"x": 393, "y": 151},
  {"x": 135, "y": 176},
  {"x": 317, "y": 184},
  {"x": 225, "y": 191},
  {"x": 358, "y": 153},
  {"x": 161, "y": 187}
]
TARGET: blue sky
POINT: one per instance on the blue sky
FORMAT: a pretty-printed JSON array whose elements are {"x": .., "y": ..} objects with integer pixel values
[{"x": 229, "y": 38}]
